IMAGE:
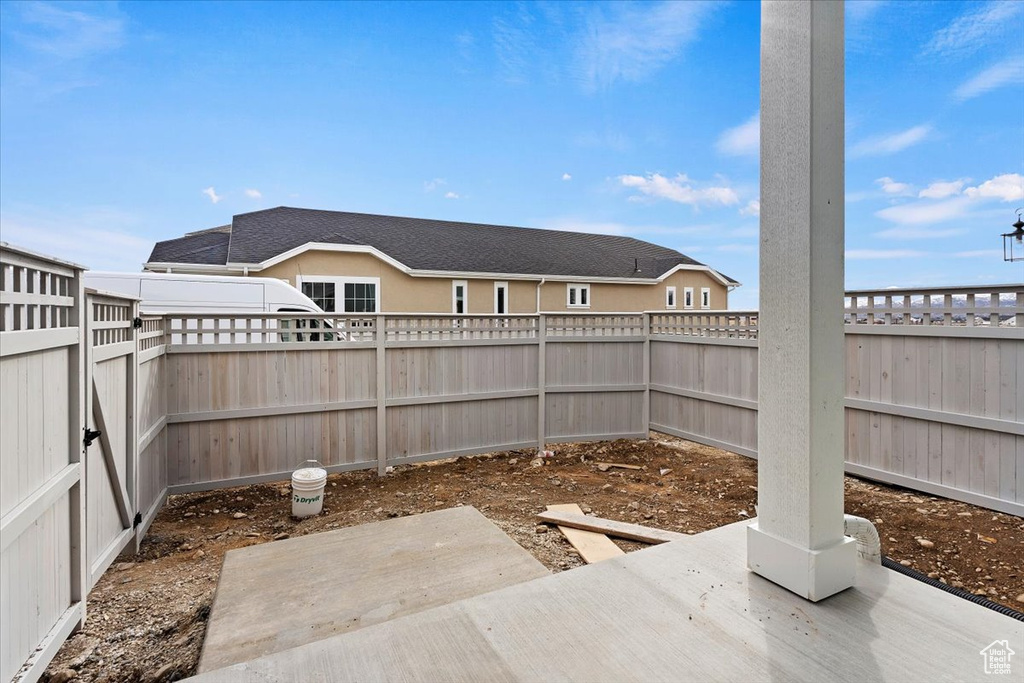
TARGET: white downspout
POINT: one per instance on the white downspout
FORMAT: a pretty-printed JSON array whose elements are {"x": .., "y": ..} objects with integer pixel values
[
  {"x": 864, "y": 532},
  {"x": 539, "y": 285}
]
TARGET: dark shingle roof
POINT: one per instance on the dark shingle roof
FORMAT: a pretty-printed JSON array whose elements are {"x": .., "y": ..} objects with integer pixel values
[
  {"x": 425, "y": 244},
  {"x": 208, "y": 248}
]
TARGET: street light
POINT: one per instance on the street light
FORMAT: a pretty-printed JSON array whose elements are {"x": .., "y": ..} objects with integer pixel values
[{"x": 1013, "y": 242}]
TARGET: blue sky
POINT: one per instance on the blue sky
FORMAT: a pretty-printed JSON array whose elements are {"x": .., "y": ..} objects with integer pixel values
[{"x": 122, "y": 124}]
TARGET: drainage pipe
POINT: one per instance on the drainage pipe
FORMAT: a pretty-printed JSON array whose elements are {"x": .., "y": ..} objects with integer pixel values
[
  {"x": 868, "y": 546},
  {"x": 959, "y": 592}
]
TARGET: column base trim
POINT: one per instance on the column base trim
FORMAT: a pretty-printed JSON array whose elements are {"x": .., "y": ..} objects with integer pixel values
[{"x": 811, "y": 574}]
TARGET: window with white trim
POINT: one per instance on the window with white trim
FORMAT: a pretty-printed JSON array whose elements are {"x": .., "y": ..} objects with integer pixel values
[
  {"x": 705, "y": 297},
  {"x": 501, "y": 298},
  {"x": 322, "y": 294},
  {"x": 460, "y": 294},
  {"x": 687, "y": 297},
  {"x": 577, "y": 295},
  {"x": 670, "y": 297},
  {"x": 342, "y": 294}
]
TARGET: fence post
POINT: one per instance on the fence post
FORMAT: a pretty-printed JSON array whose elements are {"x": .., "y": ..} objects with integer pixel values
[
  {"x": 132, "y": 423},
  {"x": 542, "y": 331},
  {"x": 382, "y": 422},
  {"x": 645, "y": 418},
  {"x": 79, "y": 381},
  {"x": 132, "y": 439}
]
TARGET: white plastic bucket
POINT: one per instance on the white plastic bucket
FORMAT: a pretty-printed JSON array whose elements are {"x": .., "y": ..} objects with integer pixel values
[{"x": 308, "y": 484}]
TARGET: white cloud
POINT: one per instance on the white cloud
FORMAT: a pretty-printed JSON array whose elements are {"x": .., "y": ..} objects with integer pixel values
[
  {"x": 98, "y": 238},
  {"x": 882, "y": 254},
  {"x": 61, "y": 41},
  {"x": 941, "y": 189},
  {"x": 890, "y": 144},
  {"x": 1007, "y": 187},
  {"x": 68, "y": 34},
  {"x": 627, "y": 42},
  {"x": 451, "y": 195},
  {"x": 214, "y": 197},
  {"x": 254, "y": 194},
  {"x": 952, "y": 205},
  {"x": 858, "y": 196},
  {"x": 566, "y": 176},
  {"x": 918, "y": 213},
  {"x": 431, "y": 185},
  {"x": 1010, "y": 72},
  {"x": 890, "y": 186},
  {"x": 912, "y": 233},
  {"x": 980, "y": 253},
  {"x": 979, "y": 26},
  {"x": 753, "y": 208},
  {"x": 679, "y": 189},
  {"x": 862, "y": 9},
  {"x": 743, "y": 140}
]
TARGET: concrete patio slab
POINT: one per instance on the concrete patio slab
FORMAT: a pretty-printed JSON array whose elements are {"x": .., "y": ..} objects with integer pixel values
[
  {"x": 683, "y": 611},
  {"x": 277, "y": 596}
]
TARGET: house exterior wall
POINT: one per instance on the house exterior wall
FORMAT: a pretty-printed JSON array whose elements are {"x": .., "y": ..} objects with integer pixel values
[
  {"x": 623, "y": 298},
  {"x": 402, "y": 293}
]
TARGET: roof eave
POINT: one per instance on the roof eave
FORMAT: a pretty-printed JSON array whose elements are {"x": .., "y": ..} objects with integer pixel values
[{"x": 412, "y": 272}]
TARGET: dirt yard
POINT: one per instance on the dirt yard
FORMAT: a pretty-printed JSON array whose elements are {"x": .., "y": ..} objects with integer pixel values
[{"x": 147, "y": 615}]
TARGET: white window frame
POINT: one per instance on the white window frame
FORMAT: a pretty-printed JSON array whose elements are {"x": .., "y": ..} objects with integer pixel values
[
  {"x": 687, "y": 297},
  {"x": 339, "y": 289},
  {"x": 497, "y": 286},
  {"x": 670, "y": 298},
  {"x": 705, "y": 297},
  {"x": 465, "y": 296},
  {"x": 580, "y": 288}
]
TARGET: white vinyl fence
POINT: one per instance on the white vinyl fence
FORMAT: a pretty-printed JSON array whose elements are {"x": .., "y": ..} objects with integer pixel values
[
  {"x": 934, "y": 388},
  {"x": 935, "y": 402},
  {"x": 70, "y": 360},
  {"x": 43, "y": 566}
]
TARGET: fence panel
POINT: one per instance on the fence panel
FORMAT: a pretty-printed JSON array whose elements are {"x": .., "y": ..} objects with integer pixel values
[
  {"x": 594, "y": 389},
  {"x": 445, "y": 400},
  {"x": 112, "y": 459},
  {"x": 242, "y": 416},
  {"x": 706, "y": 392},
  {"x": 151, "y": 392},
  {"x": 41, "y": 498}
]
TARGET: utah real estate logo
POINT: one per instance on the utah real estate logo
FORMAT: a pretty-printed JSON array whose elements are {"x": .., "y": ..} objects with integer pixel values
[{"x": 997, "y": 657}]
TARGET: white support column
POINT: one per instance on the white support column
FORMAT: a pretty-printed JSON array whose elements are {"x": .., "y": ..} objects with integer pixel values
[{"x": 797, "y": 540}]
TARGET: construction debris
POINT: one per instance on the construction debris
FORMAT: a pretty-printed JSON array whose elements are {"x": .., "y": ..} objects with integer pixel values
[
  {"x": 632, "y": 532},
  {"x": 605, "y": 466},
  {"x": 593, "y": 547}
]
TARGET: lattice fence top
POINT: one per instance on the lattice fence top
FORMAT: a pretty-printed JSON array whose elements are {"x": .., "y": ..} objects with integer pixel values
[{"x": 36, "y": 292}]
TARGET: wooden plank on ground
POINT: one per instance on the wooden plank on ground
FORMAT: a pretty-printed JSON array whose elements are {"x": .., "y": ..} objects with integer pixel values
[
  {"x": 610, "y": 527},
  {"x": 605, "y": 466},
  {"x": 593, "y": 547}
]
